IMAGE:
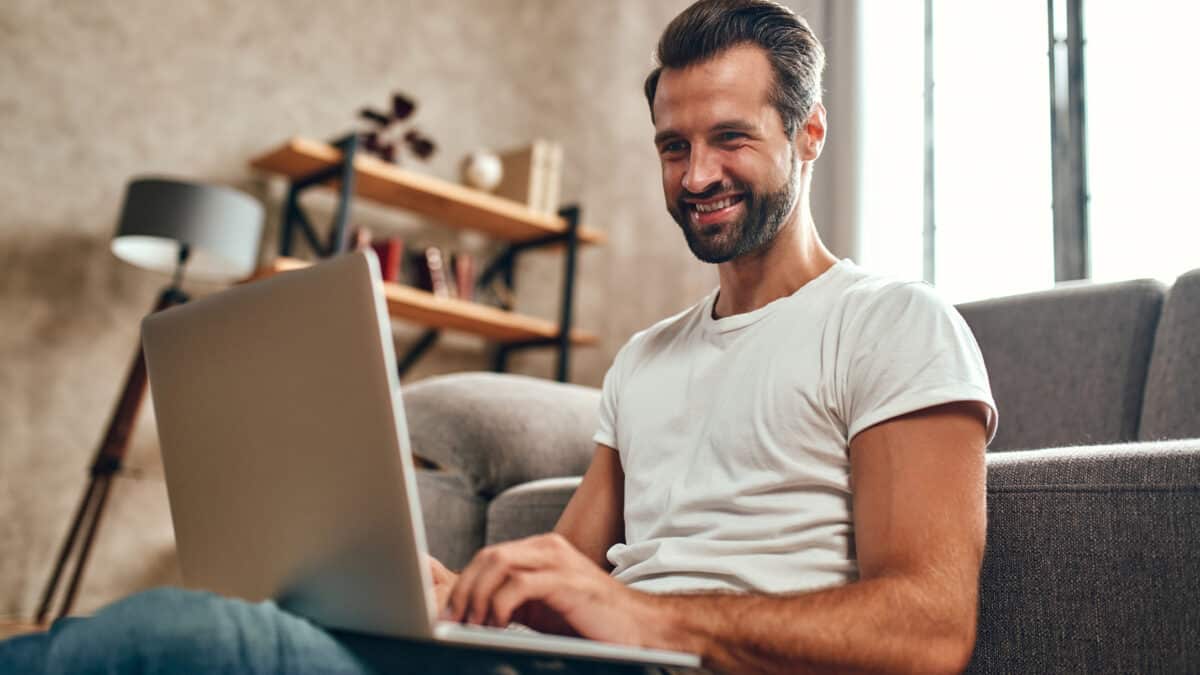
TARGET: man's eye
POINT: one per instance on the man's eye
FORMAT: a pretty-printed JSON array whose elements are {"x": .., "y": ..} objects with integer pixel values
[
  {"x": 673, "y": 148},
  {"x": 730, "y": 136}
]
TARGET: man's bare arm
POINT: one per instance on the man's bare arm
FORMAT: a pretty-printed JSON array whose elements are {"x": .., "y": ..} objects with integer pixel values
[
  {"x": 920, "y": 524},
  {"x": 594, "y": 519},
  {"x": 919, "y": 515}
]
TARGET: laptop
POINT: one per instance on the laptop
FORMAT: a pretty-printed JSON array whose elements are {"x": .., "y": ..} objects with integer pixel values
[{"x": 288, "y": 465}]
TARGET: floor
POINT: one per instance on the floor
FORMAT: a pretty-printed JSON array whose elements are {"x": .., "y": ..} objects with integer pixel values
[{"x": 10, "y": 627}]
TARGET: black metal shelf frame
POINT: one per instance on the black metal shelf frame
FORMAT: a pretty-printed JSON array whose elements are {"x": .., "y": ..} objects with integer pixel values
[{"x": 296, "y": 221}]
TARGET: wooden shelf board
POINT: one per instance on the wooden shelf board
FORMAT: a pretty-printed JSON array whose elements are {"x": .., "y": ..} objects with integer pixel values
[
  {"x": 442, "y": 200},
  {"x": 427, "y": 309}
]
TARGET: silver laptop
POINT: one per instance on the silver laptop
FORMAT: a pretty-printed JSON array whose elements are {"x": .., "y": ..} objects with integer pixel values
[{"x": 288, "y": 464}]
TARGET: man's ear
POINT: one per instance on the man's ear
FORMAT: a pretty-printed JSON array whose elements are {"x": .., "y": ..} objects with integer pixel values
[{"x": 812, "y": 139}]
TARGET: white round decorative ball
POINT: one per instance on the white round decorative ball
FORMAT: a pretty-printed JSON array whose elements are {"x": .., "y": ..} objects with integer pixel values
[{"x": 482, "y": 170}]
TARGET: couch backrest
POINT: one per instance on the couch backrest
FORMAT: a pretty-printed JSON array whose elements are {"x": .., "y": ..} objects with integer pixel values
[
  {"x": 1171, "y": 407},
  {"x": 1068, "y": 365}
]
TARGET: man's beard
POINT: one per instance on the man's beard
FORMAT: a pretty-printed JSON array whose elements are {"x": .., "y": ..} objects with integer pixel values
[{"x": 754, "y": 231}]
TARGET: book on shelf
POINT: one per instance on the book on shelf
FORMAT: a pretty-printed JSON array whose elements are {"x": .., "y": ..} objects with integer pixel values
[
  {"x": 390, "y": 252},
  {"x": 462, "y": 267},
  {"x": 532, "y": 175},
  {"x": 429, "y": 271},
  {"x": 552, "y": 179}
]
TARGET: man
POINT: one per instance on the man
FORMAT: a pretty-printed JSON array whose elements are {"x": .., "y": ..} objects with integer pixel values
[{"x": 788, "y": 476}]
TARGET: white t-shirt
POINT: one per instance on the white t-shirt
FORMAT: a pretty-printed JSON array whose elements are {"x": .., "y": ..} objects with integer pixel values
[{"x": 733, "y": 433}]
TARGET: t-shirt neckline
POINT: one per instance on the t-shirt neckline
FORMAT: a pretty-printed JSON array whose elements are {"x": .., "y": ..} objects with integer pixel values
[{"x": 737, "y": 321}]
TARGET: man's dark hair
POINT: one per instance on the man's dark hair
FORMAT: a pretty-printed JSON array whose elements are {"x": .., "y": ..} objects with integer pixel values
[{"x": 710, "y": 27}]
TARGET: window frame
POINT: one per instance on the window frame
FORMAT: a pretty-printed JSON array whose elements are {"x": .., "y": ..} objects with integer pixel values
[{"x": 1068, "y": 141}]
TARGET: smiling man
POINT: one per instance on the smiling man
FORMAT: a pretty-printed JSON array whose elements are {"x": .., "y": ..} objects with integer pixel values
[{"x": 788, "y": 476}]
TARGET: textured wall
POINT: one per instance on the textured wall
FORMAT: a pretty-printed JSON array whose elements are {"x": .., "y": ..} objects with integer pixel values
[{"x": 96, "y": 92}]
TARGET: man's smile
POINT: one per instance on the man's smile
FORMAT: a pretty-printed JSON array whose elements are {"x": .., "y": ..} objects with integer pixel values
[{"x": 712, "y": 211}]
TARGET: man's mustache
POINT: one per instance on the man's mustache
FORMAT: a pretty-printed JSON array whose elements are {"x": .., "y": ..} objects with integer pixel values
[{"x": 713, "y": 190}]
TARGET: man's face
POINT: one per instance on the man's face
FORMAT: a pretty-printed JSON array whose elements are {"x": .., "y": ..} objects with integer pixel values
[{"x": 731, "y": 175}]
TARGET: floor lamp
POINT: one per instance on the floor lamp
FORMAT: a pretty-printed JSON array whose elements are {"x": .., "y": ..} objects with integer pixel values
[{"x": 207, "y": 232}]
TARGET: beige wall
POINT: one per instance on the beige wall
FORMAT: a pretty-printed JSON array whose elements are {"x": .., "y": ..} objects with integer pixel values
[{"x": 96, "y": 92}]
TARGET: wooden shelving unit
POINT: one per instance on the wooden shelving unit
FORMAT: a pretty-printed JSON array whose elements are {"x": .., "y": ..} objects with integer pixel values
[
  {"x": 447, "y": 202},
  {"x": 338, "y": 166},
  {"x": 423, "y": 307}
]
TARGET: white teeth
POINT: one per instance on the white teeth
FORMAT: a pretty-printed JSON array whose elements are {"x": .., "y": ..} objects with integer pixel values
[{"x": 715, "y": 206}]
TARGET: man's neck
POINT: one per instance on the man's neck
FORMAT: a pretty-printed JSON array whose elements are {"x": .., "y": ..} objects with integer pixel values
[{"x": 794, "y": 258}]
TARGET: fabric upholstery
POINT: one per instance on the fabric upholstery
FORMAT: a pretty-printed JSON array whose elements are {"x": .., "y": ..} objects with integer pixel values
[
  {"x": 502, "y": 430},
  {"x": 1171, "y": 408},
  {"x": 453, "y": 517},
  {"x": 528, "y": 509},
  {"x": 1091, "y": 562},
  {"x": 1068, "y": 365}
]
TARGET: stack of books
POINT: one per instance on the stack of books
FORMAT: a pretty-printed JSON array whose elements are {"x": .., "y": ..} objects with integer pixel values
[
  {"x": 428, "y": 268},
  {"x": 533, "y": 175}
]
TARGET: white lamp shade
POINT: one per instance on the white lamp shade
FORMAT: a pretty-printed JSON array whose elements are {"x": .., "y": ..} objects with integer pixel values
[{"x": 220, "y": 225}]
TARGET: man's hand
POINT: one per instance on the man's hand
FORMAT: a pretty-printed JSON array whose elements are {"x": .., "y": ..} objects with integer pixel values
[
  {"x": 443, "y": 581},
  {"x": 545, "y": 580}
]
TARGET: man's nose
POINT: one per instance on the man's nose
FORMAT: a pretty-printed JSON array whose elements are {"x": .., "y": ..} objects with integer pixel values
[{"x": 704, "y": 169}]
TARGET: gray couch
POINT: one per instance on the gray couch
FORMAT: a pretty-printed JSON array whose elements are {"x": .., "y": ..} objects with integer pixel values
[{"x": 1093, "y": 547}]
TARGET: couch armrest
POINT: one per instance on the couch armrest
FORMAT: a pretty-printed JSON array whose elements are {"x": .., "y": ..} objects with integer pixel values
[
  {"x": 529, "y": 509},
  {"x": 498, "y": 431},
  {"x": 1092, "y": 560}
]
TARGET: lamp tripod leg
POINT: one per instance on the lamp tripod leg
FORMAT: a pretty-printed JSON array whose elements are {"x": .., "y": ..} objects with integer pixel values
[
  {"x": 103, "y": 484},
  {"x": 64, "y": 553},
  {"x": 108, "y": 461}
]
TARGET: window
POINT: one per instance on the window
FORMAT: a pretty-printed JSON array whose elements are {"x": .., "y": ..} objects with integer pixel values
[
  {"x": 991, "y": 178},
  {"x": 1143, "y": 138},
  {"x": 993, "y": 203},
  {"x": 991, "y": 112},
  {"x": 892, "y": 137}
]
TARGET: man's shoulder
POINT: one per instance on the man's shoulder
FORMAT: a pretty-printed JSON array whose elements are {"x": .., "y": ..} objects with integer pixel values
[{"x": 869, "y": 293}]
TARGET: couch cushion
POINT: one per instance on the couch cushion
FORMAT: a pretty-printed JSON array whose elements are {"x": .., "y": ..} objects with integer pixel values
[
  {"x": 1171, "y": 408},
  {"x": 1068, "y": 365},
  {"x": 453, "y": 517},
  {"x": 502, "y": 430},
  {"x": 528, "y": 509},
  {"x": 1091, "y": 561}
]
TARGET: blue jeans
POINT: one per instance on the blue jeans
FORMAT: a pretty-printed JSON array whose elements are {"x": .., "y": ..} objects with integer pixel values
[{"x": 176, "y": 631}]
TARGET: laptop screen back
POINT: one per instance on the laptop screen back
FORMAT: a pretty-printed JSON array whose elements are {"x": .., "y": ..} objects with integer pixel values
[{"x": 285, "y": 448}]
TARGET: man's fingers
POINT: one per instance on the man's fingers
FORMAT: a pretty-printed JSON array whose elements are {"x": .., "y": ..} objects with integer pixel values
[
  {"x": 517, "y": 589},
  {"x": 458, "y": 594},
  {"x": 439, "y": 571},
  {"x": 441, "y": 594},
  {"x": 485, "y": 572},
  {"x": 471, "y": 597},
  {"x": 495, "y": 568},
  {"x": 461, "y": 593}
]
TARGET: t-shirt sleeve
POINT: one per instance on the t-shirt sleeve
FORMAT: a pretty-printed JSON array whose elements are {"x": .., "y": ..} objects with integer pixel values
[
  {"x": 910, "y": 350},
  {"x": 606, "y": 434}
]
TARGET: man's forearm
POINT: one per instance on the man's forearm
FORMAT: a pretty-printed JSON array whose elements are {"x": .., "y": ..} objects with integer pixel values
[{"x": 885, "y": 624}]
